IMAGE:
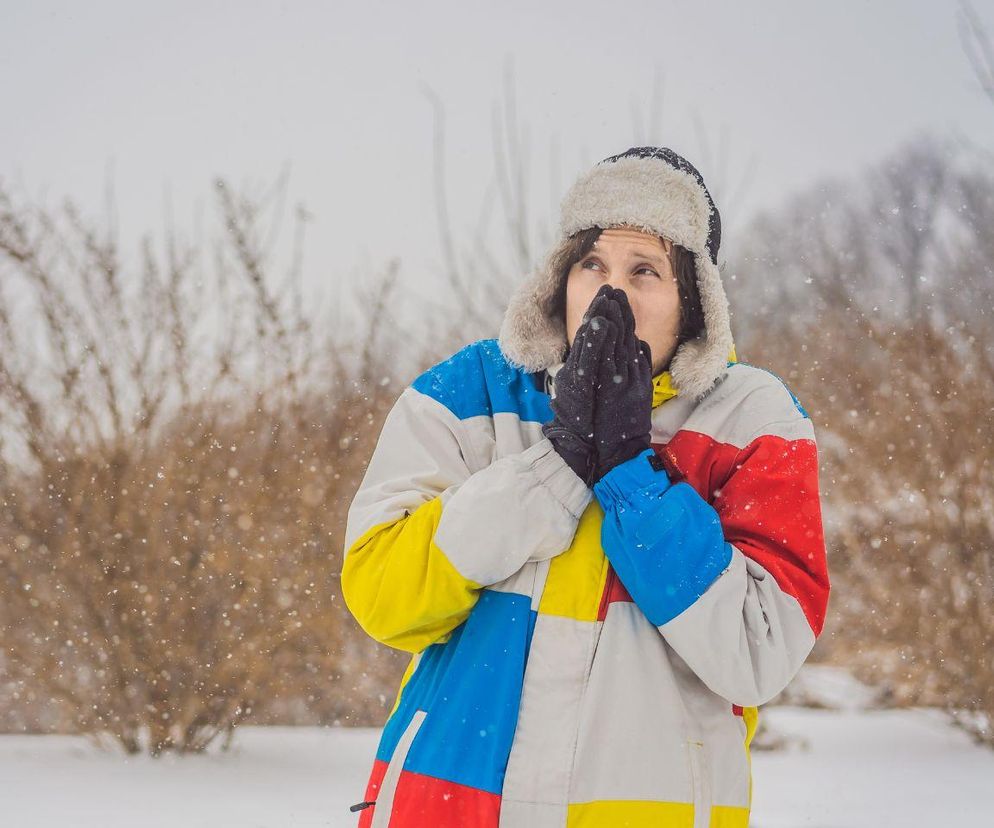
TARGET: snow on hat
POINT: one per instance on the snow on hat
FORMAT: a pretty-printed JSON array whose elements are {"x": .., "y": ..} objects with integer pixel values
[{"x": 658, "y": 191}]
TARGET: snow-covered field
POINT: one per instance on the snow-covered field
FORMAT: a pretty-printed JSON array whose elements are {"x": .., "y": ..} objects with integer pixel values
[{"x": 841, "y": 769}]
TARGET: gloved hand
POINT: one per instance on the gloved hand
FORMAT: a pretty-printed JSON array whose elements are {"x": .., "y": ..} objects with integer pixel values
[
  {"x": 571, "y": 431},
  {"x": 623, "y": 392}
]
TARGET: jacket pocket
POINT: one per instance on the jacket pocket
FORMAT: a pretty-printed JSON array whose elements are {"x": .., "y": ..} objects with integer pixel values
[
  {"x": 384, "y": 798},
  {"x": 700, "y": 779}
]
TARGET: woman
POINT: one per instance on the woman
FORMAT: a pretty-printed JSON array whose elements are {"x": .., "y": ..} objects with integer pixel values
[{"x": 599, "y": 535}]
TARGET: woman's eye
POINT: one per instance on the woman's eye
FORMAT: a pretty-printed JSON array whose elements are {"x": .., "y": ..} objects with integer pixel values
[{"x": 649, "y": 269}]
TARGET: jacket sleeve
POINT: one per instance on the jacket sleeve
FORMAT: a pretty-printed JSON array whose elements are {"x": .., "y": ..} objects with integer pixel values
[
  {"x": 429, "y": 527},
  {"x": 739, "y": 589}
]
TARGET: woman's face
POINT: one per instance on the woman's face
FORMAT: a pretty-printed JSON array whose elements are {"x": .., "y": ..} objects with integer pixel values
[{"x": 637, "y": 263}]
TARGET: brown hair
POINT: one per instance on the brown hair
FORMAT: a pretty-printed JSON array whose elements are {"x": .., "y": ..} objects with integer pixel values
[{"x": 681, "y": 260}]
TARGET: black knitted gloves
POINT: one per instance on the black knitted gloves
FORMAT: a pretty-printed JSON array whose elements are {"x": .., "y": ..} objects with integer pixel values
[
  {"x": 571, "y": 431},
  {"x": 603, "y": 399},
  {"x": 623, "y": 402}
]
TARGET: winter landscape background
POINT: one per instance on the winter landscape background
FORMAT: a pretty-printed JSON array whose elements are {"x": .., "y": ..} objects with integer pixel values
[{"x": 230, "y": 236}]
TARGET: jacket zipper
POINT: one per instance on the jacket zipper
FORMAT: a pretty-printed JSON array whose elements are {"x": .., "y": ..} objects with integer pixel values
[{"x": 700, "y": 783}]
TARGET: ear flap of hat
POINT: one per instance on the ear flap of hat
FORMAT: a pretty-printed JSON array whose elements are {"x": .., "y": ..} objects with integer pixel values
[
  {"x": 529, "y": 337},
  {"x": 697, "y": 363}
]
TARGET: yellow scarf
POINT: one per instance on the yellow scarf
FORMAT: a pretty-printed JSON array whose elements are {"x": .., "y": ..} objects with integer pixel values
[{"x": 662, "y": 384}]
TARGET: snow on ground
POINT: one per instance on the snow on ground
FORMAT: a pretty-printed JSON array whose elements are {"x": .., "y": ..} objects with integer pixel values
[
  {"x": 866, "y": 768},
  {"x": 842, "y": 769}
]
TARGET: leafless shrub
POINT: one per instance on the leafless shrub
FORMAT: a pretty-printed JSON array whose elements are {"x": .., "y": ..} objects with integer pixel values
[
  {"x": 179, "y": 446},
  {"x": 873, "y": 299}
]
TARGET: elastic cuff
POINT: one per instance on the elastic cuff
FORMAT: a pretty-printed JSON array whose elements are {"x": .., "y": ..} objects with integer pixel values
[
  {"x": 635, "y": 473},
  {"x": 579, "y": 455},
  {"x": 555, "y": 474}
]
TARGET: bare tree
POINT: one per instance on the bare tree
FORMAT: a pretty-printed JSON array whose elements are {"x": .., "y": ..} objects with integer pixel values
[
  {"x": 178, "y": 442},
  {"x": 881, "y": 323}
]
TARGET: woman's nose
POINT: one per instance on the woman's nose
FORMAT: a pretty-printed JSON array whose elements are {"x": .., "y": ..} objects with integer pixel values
[
  {"x": 619, "y": 282},
  {"x": 615, "y": 280}
]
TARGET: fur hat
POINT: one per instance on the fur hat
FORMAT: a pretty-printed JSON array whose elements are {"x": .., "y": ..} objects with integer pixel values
[{"x": 658, "y": 191}]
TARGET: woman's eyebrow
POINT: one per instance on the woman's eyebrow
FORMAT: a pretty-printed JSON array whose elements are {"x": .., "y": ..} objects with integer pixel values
[{"x": 647, "y": 256}]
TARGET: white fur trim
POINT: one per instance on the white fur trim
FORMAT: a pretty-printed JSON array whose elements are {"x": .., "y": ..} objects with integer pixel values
[
  {"x": 528, "y": 338},
  {"x": 699, "y": 362},
  {"x": 643, "y": 192}
]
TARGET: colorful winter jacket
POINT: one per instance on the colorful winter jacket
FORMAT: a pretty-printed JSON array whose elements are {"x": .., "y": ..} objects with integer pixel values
[{"x": 582, "y": 658}]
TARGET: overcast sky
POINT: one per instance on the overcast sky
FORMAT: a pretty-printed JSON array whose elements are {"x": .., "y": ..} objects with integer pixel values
[{"x": 763, "y": 97}]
